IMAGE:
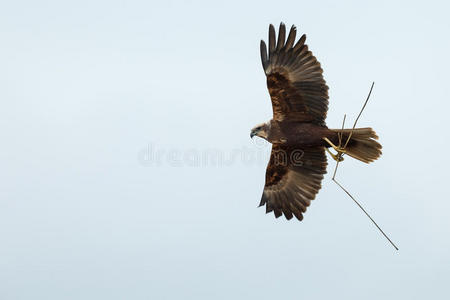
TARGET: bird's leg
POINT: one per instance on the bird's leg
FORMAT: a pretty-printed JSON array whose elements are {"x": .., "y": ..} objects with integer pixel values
[
  {"x": 340, "y": 151},
  {"x": 330, "y": 143},
  {"x": 336, "y": 157}
]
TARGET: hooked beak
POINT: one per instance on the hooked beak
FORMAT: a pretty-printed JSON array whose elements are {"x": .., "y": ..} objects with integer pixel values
[{"x": 252, "y": 134}]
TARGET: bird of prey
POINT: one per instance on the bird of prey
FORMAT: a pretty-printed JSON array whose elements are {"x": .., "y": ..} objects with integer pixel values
[{"x": 297, "y": 131}]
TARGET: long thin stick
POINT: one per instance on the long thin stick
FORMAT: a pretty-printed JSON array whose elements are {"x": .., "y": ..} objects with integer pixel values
[
  {"x": 337, "y": 165},
  {"x": 362, "y": 208},
  {"x": 362, "y": 109}
]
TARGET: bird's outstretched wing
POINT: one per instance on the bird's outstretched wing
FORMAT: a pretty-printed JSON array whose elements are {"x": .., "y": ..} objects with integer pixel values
[
  {"x": 294, "y": 78},
  {"x": 293, "y": 178}
]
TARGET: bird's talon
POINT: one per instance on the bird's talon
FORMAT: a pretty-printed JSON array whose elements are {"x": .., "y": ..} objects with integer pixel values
[{"x": 337, "y": 157}]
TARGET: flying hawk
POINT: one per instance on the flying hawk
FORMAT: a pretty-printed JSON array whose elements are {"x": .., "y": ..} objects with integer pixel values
[{"x": 298, "y": 131}]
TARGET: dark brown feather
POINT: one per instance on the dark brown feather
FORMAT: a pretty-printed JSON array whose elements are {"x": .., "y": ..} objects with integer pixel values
[
  {"x": 271, "y": 40},
  {"x": 293, "y": 178},
  {"x": 281, "y": 37},
  {"x": 294, "y": 79},
  {"x": 263, "y": 50},
  {"x": 291, "y": 37}
]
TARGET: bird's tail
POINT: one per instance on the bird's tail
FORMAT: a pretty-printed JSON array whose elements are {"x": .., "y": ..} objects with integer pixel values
[{"x": 362, "y": 145}]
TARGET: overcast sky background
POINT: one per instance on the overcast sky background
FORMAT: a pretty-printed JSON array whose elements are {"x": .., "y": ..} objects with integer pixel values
[{"x": 109, "y": 108}]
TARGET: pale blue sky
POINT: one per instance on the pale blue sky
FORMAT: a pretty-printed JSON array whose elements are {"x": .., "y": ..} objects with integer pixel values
[{"x": 89, "y": 91}]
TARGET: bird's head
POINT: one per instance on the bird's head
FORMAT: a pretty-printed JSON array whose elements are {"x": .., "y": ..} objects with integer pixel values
[{"x": 260, "y": 130}]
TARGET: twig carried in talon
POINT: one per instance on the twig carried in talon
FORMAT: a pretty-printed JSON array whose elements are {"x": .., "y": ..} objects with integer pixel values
[{"x": 340, "y": 134}]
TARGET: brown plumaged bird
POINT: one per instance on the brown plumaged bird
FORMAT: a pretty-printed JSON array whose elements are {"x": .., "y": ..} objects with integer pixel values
[{"x": 297, "y": 131}]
